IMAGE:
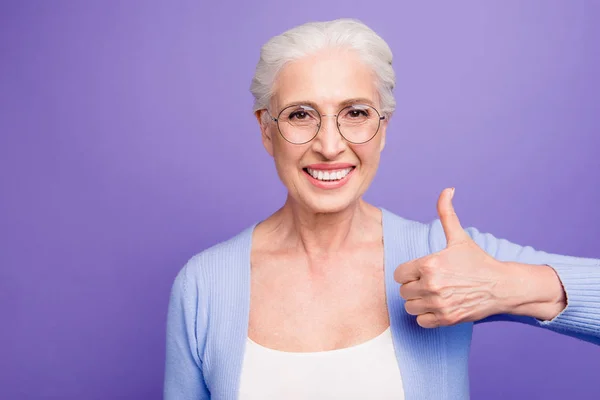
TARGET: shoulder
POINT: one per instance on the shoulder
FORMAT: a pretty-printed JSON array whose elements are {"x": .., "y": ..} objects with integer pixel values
[
  {"x": 426, "y": 236},
  {"x": 430, "y": 235},
  {"x": 398, "y": 223},
  {"x": 216, "y": 263}
]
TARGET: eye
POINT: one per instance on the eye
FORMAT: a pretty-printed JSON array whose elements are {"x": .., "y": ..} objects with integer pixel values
[
  {"x": 357, "y": 113},
  {"x": 298, "y": 115}
]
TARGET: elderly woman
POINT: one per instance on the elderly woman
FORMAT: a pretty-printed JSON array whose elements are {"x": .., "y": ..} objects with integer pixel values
[{"x": 334, "y": 298}]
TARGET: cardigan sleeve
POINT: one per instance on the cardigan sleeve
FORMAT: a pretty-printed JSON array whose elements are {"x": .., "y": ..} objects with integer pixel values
[
  {"x": 579, "y": 276},
  {"x": 183, "y": 378}
]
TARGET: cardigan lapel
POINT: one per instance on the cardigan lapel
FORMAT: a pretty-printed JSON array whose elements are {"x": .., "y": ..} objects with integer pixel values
[{"x": 421, "y": 353}]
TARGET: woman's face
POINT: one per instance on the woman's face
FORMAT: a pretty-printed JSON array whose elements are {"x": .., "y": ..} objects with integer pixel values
[{"x": 329, "y": 81}]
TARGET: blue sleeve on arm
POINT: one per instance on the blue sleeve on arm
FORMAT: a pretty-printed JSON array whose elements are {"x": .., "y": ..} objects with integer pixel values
[
  {"x": 580, "y": 278},
  {"x": 183, "y": 366}
]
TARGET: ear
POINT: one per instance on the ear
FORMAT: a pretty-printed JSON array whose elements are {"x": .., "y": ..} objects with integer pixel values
[
  {"x": 383, "y": 129},
  {"x": 265, "y": 131}
]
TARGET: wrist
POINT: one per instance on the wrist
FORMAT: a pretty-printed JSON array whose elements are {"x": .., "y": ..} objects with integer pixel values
[{"x": 533, "y": 290}]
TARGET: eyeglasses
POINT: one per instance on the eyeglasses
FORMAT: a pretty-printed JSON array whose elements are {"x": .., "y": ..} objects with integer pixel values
[{"x": 357, "y": 123}]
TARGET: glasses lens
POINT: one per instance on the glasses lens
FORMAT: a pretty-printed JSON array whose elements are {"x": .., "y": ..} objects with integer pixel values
[
  {"x": 359, "y": 123},
  {"x": 298, "y": 123}
]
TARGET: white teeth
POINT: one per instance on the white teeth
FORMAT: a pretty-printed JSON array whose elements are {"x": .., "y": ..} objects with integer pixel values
[{"x": 329, "y": 175}]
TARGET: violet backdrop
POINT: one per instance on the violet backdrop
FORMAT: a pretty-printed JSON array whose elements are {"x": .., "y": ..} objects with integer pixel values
[{"x": 127, "y": 145}]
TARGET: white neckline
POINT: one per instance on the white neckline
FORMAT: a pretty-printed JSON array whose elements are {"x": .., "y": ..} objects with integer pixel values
[{"x": 324, "y": 352}]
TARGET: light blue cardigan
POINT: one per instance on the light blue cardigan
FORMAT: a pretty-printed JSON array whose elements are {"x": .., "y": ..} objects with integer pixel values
[{"x": 207, "y": 322}]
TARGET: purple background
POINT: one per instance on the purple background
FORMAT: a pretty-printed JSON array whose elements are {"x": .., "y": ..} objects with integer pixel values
[{"x": 127, "y": 145}]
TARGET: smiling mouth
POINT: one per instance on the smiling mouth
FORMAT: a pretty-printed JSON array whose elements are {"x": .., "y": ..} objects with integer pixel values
[{"x": 328, "y": 175}]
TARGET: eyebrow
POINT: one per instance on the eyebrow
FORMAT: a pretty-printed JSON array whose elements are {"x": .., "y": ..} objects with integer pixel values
[{"x": 345, "y": 103}]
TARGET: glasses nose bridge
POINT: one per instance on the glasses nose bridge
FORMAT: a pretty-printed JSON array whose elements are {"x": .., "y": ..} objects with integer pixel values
[
  {"x": 328, "y": 116},
  {"x": 329, "y": 138}
]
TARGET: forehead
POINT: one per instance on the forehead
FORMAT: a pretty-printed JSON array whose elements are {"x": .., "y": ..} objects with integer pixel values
[{"x": 327, "y": 79}]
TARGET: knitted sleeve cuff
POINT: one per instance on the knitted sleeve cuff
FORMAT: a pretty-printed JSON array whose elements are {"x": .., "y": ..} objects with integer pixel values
[{"x": 582, "y": 287}]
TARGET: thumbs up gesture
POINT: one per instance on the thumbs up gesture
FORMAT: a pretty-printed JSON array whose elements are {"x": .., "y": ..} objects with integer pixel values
[{"x": 460, "y": 283}]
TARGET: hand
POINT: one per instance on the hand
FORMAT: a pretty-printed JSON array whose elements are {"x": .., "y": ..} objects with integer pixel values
[{"x": 461, "y": 283}]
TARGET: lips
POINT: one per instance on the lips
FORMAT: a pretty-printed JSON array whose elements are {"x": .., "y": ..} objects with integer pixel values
[
  {"x": 329, "y": 167},
  {"x": 329, "y": 176}
]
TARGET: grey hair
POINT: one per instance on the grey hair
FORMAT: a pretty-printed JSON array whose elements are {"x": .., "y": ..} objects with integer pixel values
[{"x": 312, "y": 37}]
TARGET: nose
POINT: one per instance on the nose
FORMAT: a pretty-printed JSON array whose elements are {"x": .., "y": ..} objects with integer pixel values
[{"x": 329, "y": 142}]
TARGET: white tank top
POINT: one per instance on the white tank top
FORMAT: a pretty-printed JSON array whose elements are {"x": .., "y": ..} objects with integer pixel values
[{"x": 366, "y": 371}]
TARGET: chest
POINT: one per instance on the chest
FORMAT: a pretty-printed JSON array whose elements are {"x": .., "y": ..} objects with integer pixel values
[
  {"x": 296, "y": 307},
  {"x": 432, "y": 362}
]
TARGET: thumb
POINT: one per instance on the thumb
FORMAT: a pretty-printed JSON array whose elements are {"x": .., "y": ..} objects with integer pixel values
[{"x": 450, "y": 222}]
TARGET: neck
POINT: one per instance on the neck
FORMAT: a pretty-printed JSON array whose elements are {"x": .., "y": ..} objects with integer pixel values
[{"x": 319, "y": 234}]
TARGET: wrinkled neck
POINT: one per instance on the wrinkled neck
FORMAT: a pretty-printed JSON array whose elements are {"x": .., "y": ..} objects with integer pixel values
[{"x": 323, "y": 234}]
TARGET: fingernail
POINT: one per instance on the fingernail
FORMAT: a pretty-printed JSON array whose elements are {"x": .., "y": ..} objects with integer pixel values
[{"x": 452, "y": 194}]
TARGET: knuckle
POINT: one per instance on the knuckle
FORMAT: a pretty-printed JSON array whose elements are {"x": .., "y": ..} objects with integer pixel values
[
  {"x": 432, "y": 286},
  {"x": 429, "y": 265},
  {"x": 444, "y": 318},
  {"x": 446, "y": 293},
  {"x": 448, "y": 318},
  {"x": 437, "y": 304}
]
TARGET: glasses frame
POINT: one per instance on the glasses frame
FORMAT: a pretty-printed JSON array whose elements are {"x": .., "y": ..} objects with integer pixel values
[{"x": 276, "y": 120}]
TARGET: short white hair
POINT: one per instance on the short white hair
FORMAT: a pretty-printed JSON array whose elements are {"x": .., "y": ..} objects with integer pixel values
[{"x": 312, "y": 37}]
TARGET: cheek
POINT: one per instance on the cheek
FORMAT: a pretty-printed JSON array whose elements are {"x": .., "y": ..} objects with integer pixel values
[
  {"x": 286, "y": 155},
  {"x": 369, "y": 154}
]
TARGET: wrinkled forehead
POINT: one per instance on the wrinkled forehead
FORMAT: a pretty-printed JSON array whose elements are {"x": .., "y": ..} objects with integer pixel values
[{"x": 327, "y": 79}]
